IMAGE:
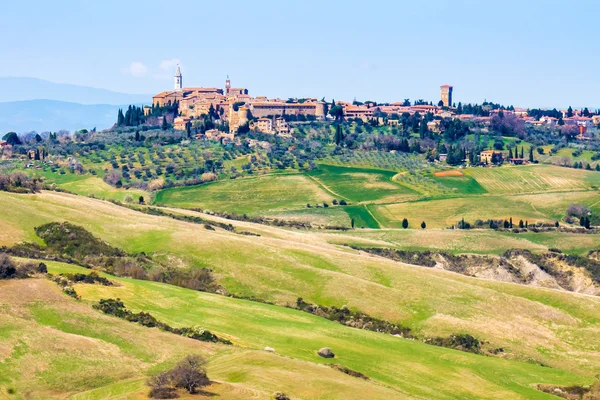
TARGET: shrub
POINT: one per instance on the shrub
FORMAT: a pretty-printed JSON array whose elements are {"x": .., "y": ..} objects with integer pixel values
[
  {"x": 189, "y": 374},
  {"x": 208, "y": 177},
  {"x": 74, "y": 241},
  {"x": 280, "y": 396},
  {"x": 160, "y": 387},
  {"x": 7, "y": 267},
  {"x": 90, "y": 278}
]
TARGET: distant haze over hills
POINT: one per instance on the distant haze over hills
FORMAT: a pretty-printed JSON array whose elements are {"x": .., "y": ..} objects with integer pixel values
[
  {"x": 31, "y": 104},
  {"x": 19, "y": 89},
  {"x": 52, "y": 115}
]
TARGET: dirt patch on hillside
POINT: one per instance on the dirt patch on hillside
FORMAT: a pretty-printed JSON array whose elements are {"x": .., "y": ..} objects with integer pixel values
[{"x": 448, "y": 173}]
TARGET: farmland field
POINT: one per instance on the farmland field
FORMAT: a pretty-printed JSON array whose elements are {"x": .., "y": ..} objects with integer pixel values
[
  {"x": 247, "y": 195},
  {"x": 361, "y": 184},
  {"x": 340, "y": 216},
  {"x": 534, "y": 178},
  {"x": 442, "y": 213},
  {"x": 458, "y": 182},
  {"x": 459, "y": 241}
]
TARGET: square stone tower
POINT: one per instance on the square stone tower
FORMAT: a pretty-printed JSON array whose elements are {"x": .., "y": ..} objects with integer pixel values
[{"x": 446, "y": 92}]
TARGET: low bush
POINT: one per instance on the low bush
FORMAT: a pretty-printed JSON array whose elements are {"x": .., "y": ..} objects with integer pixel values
[
  {"x": 8, "y": 268},
  {"x": 189, "y": 374},
  {"x": 463, "y": 342},
  {"x": 355, "y": 319},
  {"x": 90, "y": 278}
]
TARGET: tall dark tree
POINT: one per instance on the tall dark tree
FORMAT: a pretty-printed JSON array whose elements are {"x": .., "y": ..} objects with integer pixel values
[
  {"x": 569, "y": 112},
  {"x": 531, "y": 154},
  {"x": 339, "y": 134},
  {"x": 12, "y": 138},
  {"x": 120, "y": 118},
  {"x": 404, "y": 223},
  {"x": 164, "y": 126}
]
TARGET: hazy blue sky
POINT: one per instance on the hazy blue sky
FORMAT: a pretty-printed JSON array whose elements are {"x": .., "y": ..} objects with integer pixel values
[{"x": 527, "y": 52}]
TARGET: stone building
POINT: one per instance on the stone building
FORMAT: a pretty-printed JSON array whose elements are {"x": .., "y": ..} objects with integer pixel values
[{"x": 446, "y": 94}]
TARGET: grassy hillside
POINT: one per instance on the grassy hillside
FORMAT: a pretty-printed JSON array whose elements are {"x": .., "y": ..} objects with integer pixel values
[
  {"x": 361, "y": 184},
  {"x": 443, "y": 213},
  {"x": 55, "y": 347},
  {"x": 534, "y": 178},
  {"x": 539, "y": 325},
  {"x": 381, "y": 198},
  {"x": 465, "y": 241},
  {"x": 409, "y": 367},
  {"x": 248, "y": 195}
]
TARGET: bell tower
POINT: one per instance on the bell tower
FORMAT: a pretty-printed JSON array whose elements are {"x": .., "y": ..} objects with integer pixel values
[
  {"x": 178, "y": 80},
  {"x": 227, "y": 86}
]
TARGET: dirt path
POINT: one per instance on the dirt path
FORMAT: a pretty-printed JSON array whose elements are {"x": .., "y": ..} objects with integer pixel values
[{"x": 327, "y": 188}]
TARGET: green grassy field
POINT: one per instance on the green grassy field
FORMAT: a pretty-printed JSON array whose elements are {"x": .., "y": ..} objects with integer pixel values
[
  {"x": 400, "y": 368},
  {"x": 360, "y": 184},
  {"x": 465, "y": 184},
  {"x": 247, "y": 195},
  {"x": 55, "y": 347},
  {"x": 533, "y": 324},
  {"x": 331, "y": 216},
  {"x": 534, "y": 178},
  {"x": 566, "y": 154},
  {"x": 465, "y": 241},
  {"x": 443, "y": 213}
]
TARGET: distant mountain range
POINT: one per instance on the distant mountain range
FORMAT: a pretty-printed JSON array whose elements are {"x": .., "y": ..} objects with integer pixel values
[
  {"x": 31, "y": 104},
  {"x": 20, "y": 89},
  {"x": 52, "y": 115}
]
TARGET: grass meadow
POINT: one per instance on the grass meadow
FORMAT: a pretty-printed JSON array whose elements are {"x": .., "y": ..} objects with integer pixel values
[
  {"x": 398, "y": 368},
  {"x": 531, "y": 324}
]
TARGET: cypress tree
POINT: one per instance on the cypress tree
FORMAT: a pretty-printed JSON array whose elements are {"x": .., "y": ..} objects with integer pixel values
[
  {"x": 120, "y": 118},
  {"x": 164, "y": 125},
  {"x": 404, "y": 223},
  {"x": 531, "y": 154},
  {"x": 510, "y": 223}
]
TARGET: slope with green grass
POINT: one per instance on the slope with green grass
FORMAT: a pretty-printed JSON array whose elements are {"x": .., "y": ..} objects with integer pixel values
[
  {"x": 52, "y": 346},
  {"x": 534, "y": 178},
  {"x": 248, "y": 195},
  {"x": 411, "y": 368},
  {"x": 360, "y": 184},
  {"x": 282, "y": 265}
]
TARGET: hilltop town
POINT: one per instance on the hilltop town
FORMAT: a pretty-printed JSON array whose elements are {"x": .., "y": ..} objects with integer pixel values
[{"x": 236, "y": 108}]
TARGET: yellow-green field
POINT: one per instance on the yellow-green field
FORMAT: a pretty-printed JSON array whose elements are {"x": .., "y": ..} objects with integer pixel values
[
  {"x": 531, "y": 324},
  {"x": 534, "y": 178},
  {"x": 443, "y": 213},
  {"x": 247, "y": 195},
  {"x": 55, "y": 347},
  {"x": 381, "y": 199}
]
